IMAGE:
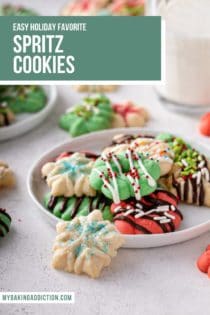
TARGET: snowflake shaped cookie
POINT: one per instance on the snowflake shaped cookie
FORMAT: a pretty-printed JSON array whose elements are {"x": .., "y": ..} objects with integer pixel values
[
  {"x": 85, "y": 244},
  {"x": 69, "y": 176}
]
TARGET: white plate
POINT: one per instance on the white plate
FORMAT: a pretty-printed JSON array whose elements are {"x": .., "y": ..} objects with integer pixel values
[
  {"x": 196, "y": 219},
  {"x": 26, "y": 122}
]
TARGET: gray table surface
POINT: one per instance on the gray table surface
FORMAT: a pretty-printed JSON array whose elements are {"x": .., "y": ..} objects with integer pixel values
[{"x": 160, "y": 281}]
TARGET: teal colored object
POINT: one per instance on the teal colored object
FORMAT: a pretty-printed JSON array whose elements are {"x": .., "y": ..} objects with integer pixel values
[{"x": 93, "y": 114}]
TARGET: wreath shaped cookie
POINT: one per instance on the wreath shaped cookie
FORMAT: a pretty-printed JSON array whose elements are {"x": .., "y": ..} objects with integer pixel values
[
  {"x": 150, "y": 147},
  {"x": 125, "y": 175},
  {"x": 95, "y": 113},
  {"x": 153, "y": 214},
  {"x": 23, "y": 98}
]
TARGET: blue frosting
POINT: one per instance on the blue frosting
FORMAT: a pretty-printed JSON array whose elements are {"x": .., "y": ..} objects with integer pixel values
[{"x": 90, "y": 232}]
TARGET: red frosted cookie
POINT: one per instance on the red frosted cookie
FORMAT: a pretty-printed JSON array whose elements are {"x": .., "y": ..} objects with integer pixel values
[
  {"x": 153, "y": 214},
  {"x": 203, "y": 262},
  {"x": 129, "y": 114},
  {"x": 204, "y": 126}
]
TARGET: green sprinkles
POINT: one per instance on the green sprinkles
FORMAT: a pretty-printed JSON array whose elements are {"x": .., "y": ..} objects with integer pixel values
[{"x": 187, "y": 158}]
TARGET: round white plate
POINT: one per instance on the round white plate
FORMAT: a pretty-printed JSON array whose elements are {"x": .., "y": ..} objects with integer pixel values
[
  {"x": 26, "y": 122},
  {"x": 196, "y": 219}
]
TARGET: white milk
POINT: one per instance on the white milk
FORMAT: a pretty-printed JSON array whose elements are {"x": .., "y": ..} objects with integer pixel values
[{"x": 187, "y": 51}]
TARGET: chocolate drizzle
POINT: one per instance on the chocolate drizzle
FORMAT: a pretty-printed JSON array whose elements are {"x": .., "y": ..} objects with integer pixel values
[
  {"x": 177, "y": 186},
  {"x": 98, "y": 202},
  {"x": 186, "y": 190},
  {"x": 75, "y": 209},
  {"x": 3, "y": 211},
  {"x": 201, "y": 194},
  {"x": 132, "y": 223},
  {"x": 52, "y": 202},
  {"x": 3, "y": 225},
  {"x": 198, "y": 192},
  {"x": 194, "y": 190},
  {"x": 148, "y": 203}
]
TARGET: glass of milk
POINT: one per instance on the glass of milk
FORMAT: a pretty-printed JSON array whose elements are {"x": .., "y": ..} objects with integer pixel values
[{"x": 187, "y": 86}]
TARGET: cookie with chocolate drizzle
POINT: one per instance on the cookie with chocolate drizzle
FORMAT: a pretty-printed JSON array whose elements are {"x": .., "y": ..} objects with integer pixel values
[
  {"x": 5, "y": 222},
  {"x": 189, "y": 178},
  {"x": 68, "y": 208},
  {"x": 153, "y": 214}
]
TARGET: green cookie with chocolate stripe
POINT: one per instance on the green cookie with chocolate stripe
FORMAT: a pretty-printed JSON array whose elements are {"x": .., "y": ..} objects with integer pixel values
[
  {"x": 67, "y": 208},
  {"x": 5, "y": 222}
]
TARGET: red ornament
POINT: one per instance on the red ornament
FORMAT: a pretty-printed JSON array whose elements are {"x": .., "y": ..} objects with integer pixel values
[
  {"x": 203, "y": 262},
  {"x": 204, "y": 125}
]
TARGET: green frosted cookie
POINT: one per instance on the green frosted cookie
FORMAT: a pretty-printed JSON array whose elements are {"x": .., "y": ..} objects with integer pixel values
[
  {"x": 23, "y": 99},
  {"x": 93, "y": 114},
  {"x": 125, "y": 175},
  {"x": 67, "y": 208},
  {"x": 5, "y": 221},
  {"x": 12, "y": 10},
  {"x": 165, "y": 136},
  {"x": 189, "y": 160}
]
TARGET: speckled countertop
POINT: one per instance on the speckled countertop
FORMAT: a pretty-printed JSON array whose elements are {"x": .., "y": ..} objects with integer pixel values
[{"x": 161, "y": 281}]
